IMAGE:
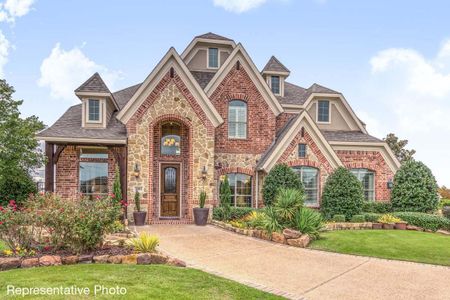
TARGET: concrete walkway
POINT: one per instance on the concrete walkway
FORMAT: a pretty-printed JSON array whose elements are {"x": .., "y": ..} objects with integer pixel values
[{"x": 300, "y": 273}]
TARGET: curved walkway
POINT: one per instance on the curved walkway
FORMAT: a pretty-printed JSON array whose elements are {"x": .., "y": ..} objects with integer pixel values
[{"x": 300, "y": 273}]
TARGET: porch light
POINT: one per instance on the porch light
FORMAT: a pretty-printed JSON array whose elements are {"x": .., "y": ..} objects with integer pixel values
[
  {"x": 390, "y": 184},
  {"x": 204, "y": 172},
  {"x": 137, "y": 169}
]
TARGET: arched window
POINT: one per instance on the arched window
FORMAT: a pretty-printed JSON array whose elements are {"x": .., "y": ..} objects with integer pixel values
[
  {"x": 310, "y": 180},
  {"x": 241, "y": 189},
  {"x": 237, "y": 119},
  {"x": 367, "y": 179},
  {"x": 170, "y": 139}
]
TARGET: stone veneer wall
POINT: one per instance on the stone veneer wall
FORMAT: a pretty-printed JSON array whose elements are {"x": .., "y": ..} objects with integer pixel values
[
  {"x": 374, "y": 161},
  {"x": 170, "y": 99}
]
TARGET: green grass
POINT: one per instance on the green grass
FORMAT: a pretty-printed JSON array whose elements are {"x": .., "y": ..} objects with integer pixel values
[
  {"x": 141, "y": 282},
  {"x": 407, "y": 245}
]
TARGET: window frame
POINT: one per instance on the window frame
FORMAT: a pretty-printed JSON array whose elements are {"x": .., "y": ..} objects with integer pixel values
[
  {"x": 218, "y": 58},
  {"x": 299, "y": 171},
  {"x": 234, "y": 193},
  {"x": 93, "y": 160},
  {"x": 357, "y": 172},
  {"x": 279, "y": 84},
  {"x": 172, "y": 134},
  {"x": 88, "y": 111},
  {"x": 236, "y": 136},
  {"x": 329, "y": 111},
  {"x": 305, "y": 150}
]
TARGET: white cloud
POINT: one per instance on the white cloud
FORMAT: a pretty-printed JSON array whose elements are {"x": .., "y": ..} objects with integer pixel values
[
  {"x": 239, "y": 6},
  {"x": 4, "y": 49},
  {"x": 12, "y": 9},
  {"x": 412, "y": 93},
  {"x": 64, "y": 70}
]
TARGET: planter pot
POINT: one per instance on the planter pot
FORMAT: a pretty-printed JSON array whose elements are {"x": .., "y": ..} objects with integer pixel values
[
  {"x": 388, "y": 225},
  {"x": 400, "y": 225},
  {"x": 201, "y": 216},
  {"x": 139, "y": 218},
  {"x": 377, "y": 226}
]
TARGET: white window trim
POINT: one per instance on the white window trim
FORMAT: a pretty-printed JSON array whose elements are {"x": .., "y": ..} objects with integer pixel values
[
  {"x": 317, "y": 203},
  {"x": 234, "y": 137},
  {"x": 218, "y": 58},
  {"x": 374, "y": 182},
  {"x": 100, "y": 107},
  {"x": 234, "y": 197},
  {"x": 329, "y": 111}
]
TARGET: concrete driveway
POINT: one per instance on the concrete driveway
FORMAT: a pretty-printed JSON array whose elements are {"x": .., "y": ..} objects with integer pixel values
[{"x": 300, "y": 273}]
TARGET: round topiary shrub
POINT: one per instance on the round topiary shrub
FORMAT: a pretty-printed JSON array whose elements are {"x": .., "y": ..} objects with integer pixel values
[
  {"x": 415, "y": 188},
  {"x": 342, "y": 195},
  {"x": 281, "y": 176}
]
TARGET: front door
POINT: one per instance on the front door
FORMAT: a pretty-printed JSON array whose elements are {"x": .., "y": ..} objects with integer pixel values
[{"x": 170, "y": 190}]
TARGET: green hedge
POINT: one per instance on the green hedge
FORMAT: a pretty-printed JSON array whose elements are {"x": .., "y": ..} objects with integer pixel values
[
  {"x": 358, "y": 219},
  {"x": 338, "y": 218},
  {"x": 426, "y": 221},
  {"x": 377, "y": 207},
  {"x": 371, "y": 217},
  {"x": 235, "y": 213}
]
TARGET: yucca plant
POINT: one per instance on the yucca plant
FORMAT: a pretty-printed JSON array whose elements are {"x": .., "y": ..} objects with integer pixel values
[
  {"x": 309, "y": 221},
  {"x": 270, "y": 221},
  {"x": 287, "y": 203},
  {"x": 202, "y": 199},
  {"x": 145, "y": 243}
]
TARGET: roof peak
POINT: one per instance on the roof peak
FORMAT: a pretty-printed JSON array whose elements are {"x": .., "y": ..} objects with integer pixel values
[
  {"x": 274, "y": 65},
  {"x": 94, "y": 84},
  {"x": 213, "y": 36}
]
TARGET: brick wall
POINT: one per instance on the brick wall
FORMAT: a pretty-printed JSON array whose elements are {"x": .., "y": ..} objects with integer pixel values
[{"x": 282, "y": 119}]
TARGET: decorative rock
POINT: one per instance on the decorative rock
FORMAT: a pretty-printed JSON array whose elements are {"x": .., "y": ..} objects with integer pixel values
[
  {"x": 291, "y": 233},
  {"x": 101, "y": 259},
  {"x": 278, "y": 238},
  {"x": 157, "y": 258},
  {"x": 85, "y": 259},
  {"x": 257, "y": 233},
  {"x": 144, "y": 259},
  {"x": 176, "y": 262},
  {"x": 130, "y": 259},
  {"x": 115, "y": 259},
  {"x": 412, "y": 227},
  {"x": 70, "y": 260},
  {"x": 50, "y": 260},
  {"x": 30, "y": 263},
  {"x": 301, "y": 242},
  {"x": 266, "y": 236},
  {"x": 7, "y": 263},
  {"x": 443, "y": 232}
]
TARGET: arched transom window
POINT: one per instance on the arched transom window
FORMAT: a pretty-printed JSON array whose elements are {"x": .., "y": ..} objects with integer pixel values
[
  {"x": 237, "y": 119},
  {"x": 171, "y": 139}
]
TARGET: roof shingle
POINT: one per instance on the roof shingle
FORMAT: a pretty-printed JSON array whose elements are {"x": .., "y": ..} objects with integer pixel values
[
  {"x": 203, "y": 78},
  {"x": 348, "y": 136},
  {"x": 213, "y": 36},
  {"x": 294, "y": 94},
  {"x": 94, "y": 84},
  {"x": 274, "y": 65}
]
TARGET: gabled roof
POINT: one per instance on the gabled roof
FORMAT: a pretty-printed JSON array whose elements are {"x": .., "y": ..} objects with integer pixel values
[
  {"x": 203, "y": 77},
  {"x": 275, "y": 66},
  {"x": 170, "y": 60},
  {"x": 95, "y": 86},
  {"x": 294, "y": 94},
  {"x": 213, "y": 36},
  {"x": 207, "y": 38},
  {"x": 124, "y": 95},
  {"x": 239, "y": 54},
  {"x": 288, "y": 133},
  {"x": 349, "y": 136}
]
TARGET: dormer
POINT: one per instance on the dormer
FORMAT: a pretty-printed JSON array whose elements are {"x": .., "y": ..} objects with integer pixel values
[
  {"x": 207, "y": 52},
  {"x": 98, "y": 103},
  {"x": 275, "y": 74}
]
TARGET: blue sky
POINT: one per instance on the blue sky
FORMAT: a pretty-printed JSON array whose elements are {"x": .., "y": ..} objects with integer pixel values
[{"x": 390, "y": 59}]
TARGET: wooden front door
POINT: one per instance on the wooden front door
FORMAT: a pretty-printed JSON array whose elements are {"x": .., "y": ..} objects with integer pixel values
[{"x": 170, "y": 190}]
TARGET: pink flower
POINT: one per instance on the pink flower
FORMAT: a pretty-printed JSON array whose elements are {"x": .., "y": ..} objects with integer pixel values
[
  {"x": 1, "y": 222},
  {"x": 12, "y": 202}
]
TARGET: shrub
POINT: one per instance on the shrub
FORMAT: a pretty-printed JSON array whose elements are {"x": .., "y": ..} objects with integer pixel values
[
  {"x": 17, "y": 187},
  {"x": 145, "y": 243},
  {"x": 309, "y": 221},
  {"x": 388, "y": 218},
  {"x": 281, "y": 176},
  {"x": 225, "y": 198},
  {"x": 371, "y": 217},
  {"x": 202, "y": 199},
  {"x": 443, "y": 203},
  {"x": 270, "y": 221},
  {"x": 446, "y": 212},
  {"x": 426, "y": 221},
  {"x": 342, "y": 194},
  {"x": 287, "y": 203},
  {"x": 115, "y": 227},
  {"x": 255, "y": 219},
  {"x": 380, "y": 207},
  {"x": 358, "y": 219},
  {"x": 234, "y": 213},
  {"x": 415, "y": 188},
  {"x": 117, "y": 190},
  {"x": 338, "y": 218}
]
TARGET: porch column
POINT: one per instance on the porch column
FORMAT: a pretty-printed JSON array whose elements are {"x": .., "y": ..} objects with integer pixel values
[{"x": 49, "y": 167}]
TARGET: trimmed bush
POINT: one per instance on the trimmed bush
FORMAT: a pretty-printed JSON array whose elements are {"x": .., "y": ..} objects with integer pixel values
[
  {"x": 426, "y": 221},
  {"x": 281, "y": 176},
  {"x": 234, "y": 213},
  {"x": 338, "y": 218},
  {"x": 380, "y": 207},
  {"x": 342, "y": 195},
  {"x": 358, "y": 219},
  {"x": 371, "y": 217},
  {"x": 415, "y": 188}
]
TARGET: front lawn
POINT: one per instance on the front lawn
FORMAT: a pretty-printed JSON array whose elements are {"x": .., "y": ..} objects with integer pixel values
[
  {"x": 141, "y": 282},
  {"x": 407, "y": 245}
]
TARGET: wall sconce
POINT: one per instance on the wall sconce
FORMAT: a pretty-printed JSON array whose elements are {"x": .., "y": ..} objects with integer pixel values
[
  {"x": 390, "y": 184},
  {"x": 137, "y": 169},
  {"x": 204, "y": 172}
]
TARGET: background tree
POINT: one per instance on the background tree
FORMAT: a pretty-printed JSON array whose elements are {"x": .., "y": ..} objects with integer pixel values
[
  {"x": 415, "y": 188},
  {"x": 18, "y": 148},
  {"x": 444, "y": 192},
  {"x": 398, "y": 147},
  {"x": 281, "y": 176}
]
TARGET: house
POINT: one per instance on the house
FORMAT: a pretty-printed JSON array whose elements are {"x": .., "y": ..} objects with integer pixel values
[{"x": 203, "y": 114}]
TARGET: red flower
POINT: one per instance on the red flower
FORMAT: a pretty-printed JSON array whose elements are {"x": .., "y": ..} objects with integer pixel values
[
  {"x": 12, "y": 202},
  {"x": 1, "y": 222},
  {"x": 61, "y": 210},
  {"x": 1, "y": 208}
]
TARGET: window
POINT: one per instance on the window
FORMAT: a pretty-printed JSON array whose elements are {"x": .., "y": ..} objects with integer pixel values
[
  {"x": 310, "y": 180},
  {"x": 93, "y": 110},
  {"x": 237, "y": 119},
  {"x": 170, "y": 139},
  {"x": 241, "y": 189},
  {"x": 367, "y": 179},
  {"x": 275, "y": 84},
  {"x": 323, "y": 111},
  {"x": 302, "y": 150},
  {"x": 213, "y": 58},
  {"x": 93, "y": 172}
]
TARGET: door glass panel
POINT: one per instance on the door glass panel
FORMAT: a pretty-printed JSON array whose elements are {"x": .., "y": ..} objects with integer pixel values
[{"x": 170, "y": 180}]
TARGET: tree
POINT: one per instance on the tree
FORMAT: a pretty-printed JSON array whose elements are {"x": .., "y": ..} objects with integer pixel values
[
  {"x": 444, "y": 192},
  {"x": 281, "y": 176},
  {"x": 398, "y": 147},
  {"x": 342, "y": 195},
  {"x": 117, "y": 190},
  {"x": 18, "y": 154},
  {"x": 225, "y": 197},
  {"x": 415, "y": 188}
]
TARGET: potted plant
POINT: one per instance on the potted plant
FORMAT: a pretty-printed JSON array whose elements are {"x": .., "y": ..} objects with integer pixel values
[
  {"x": 201, "y": 213},
  {"x": 388, "y": 221},
  {"x": 138, "y": 215}
]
